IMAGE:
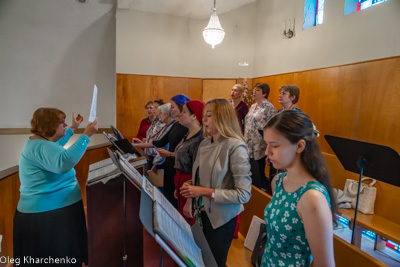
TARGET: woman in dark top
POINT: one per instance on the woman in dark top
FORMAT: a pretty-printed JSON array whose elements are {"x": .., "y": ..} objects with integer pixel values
[
  {"x": 186, "y": 150},
  {"x": 288, "y": 97},
  {"x": 173, "y": 137},
  {"x": 240, "y": 107}
]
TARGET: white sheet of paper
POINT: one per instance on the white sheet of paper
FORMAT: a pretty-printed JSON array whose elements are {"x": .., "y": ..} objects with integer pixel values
[
  {"x": 93, "y": 108},
  {"x": 254, "y": 231}
]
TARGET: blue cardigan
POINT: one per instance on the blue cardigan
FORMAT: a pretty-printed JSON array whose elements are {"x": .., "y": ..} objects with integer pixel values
[{"x": 47, "y": 176}]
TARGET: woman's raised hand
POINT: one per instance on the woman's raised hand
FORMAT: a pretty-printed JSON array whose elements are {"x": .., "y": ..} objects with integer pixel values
[
  {"x": 91, "y": 129},
  {"x": 75, "y": 123}
]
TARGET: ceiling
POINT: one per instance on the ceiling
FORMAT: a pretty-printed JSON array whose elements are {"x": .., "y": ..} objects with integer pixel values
[{"x": 195, "y": 9}]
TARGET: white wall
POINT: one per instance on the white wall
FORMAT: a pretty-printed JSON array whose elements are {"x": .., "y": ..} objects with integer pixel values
[
  {"x": 155, "y": 44},
  {"x": 52, "y": 53},
  {"x": 365, "y": 35}
]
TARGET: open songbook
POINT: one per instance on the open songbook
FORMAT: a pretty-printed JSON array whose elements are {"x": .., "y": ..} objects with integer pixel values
[
  {"x": 102, "y": 169},
  {"x": 169, "y": 224}
]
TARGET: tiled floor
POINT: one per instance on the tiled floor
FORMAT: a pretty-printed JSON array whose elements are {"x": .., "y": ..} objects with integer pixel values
[{"x": 387, "y": 256}]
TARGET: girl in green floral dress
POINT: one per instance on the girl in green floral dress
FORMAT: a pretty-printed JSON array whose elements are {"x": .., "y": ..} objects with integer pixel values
[{"x": 299, "y": 217}]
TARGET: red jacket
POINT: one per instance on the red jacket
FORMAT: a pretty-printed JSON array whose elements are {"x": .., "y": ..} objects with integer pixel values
[{"x": 144, "y": 126}]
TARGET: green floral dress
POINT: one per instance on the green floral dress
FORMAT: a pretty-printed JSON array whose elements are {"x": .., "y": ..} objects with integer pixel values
[{"x": 287, "y": 244}]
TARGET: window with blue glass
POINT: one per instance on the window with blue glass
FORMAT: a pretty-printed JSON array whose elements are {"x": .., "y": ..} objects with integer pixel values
[
  {"x": 313, "y": 13},
  {"x": 351, "y": 6}
]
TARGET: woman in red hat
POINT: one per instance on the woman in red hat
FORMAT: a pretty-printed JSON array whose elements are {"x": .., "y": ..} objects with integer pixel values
[{"x": 185, "y": 152}]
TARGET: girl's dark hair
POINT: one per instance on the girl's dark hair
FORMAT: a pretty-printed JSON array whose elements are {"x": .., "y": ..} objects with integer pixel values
[
  {"x": 295, "y": 125},
  {"x": 179, "y": 106},
  {"x": 159, "y": 101},
  {"x": 264, "y": 88}
]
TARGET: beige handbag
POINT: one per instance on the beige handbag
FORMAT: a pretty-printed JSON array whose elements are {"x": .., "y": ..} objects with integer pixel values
[
  {"x": 366, "y": 203},
  {"x": 156, "y": 178}
]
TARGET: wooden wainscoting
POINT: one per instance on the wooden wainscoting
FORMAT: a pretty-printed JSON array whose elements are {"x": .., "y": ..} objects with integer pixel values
[
  {"x": 91, "y": 156},
  {"x": 9, "y": 197},
  {"x": 357, "y": 101},
  {"x": 214, "y": 88},
  {"x": 134, "y": 91}
]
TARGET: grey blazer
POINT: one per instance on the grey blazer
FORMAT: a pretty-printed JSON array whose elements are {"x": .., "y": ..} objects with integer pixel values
[{"x": 223, "y": 165}]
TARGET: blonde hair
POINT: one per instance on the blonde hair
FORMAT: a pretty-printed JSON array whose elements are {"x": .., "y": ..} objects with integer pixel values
[
  {"x": 225, "y": 119},
  {"x": 240, "y": 87}
]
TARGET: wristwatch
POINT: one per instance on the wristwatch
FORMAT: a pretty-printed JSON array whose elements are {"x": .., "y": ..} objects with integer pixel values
[{"x": 213, "y": 195}]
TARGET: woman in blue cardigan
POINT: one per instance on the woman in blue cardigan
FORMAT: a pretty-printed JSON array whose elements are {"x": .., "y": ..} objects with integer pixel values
[{"x": 49, "y": 223}]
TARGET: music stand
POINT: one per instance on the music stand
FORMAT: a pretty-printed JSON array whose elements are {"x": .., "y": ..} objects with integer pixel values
[{"x": 375, "y": 161}]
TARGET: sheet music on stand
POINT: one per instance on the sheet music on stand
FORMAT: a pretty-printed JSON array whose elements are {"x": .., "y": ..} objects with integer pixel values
[
  {"x": 184, "y": 245},
  {"x": 131, "y": 172},
  {"x": 169, "y": 224},
  {"x": 100, "y": 164},
  {"x": 102, "y": 169}
]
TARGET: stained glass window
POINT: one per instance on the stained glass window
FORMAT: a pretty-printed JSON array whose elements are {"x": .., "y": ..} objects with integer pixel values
[
  {"x": 351, "y": 6},
  {"x": 313, "y": 13}
]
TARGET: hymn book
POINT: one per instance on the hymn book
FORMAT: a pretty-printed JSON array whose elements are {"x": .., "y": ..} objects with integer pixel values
[
  {"x": 98, "y": 173},
  {"x": 174, "y": 234}
]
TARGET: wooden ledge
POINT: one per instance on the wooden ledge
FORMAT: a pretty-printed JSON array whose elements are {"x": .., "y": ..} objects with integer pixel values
[
  {"x": 7, "y": 172},
  {"x": 375, "y": 223},
  {"x": 351, "y": 255}
]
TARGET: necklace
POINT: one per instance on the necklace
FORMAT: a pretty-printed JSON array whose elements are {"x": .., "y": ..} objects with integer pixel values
[
  {"x": 289, "y": 107},
  {"x": 43, "y": 137}
]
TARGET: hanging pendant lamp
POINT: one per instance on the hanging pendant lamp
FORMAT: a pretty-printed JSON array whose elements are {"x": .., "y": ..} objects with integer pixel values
[{"x": 214, "y": 33}]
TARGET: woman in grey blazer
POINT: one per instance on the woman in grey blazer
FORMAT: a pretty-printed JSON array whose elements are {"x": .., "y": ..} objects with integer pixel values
[{"x": 221, "y": 181}]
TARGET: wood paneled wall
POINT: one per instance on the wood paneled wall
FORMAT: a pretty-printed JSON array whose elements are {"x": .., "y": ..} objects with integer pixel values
[
  {"x": 82, "y": 168},
  {"x": 134, "y": 91},
  {"x": 9, "y": 193},
  {"x": 217, "y": 88},
  {"x": 9, "y": 196},
  {"x": 357, "y": 101},
  {"x": 213, "y": 88}
]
